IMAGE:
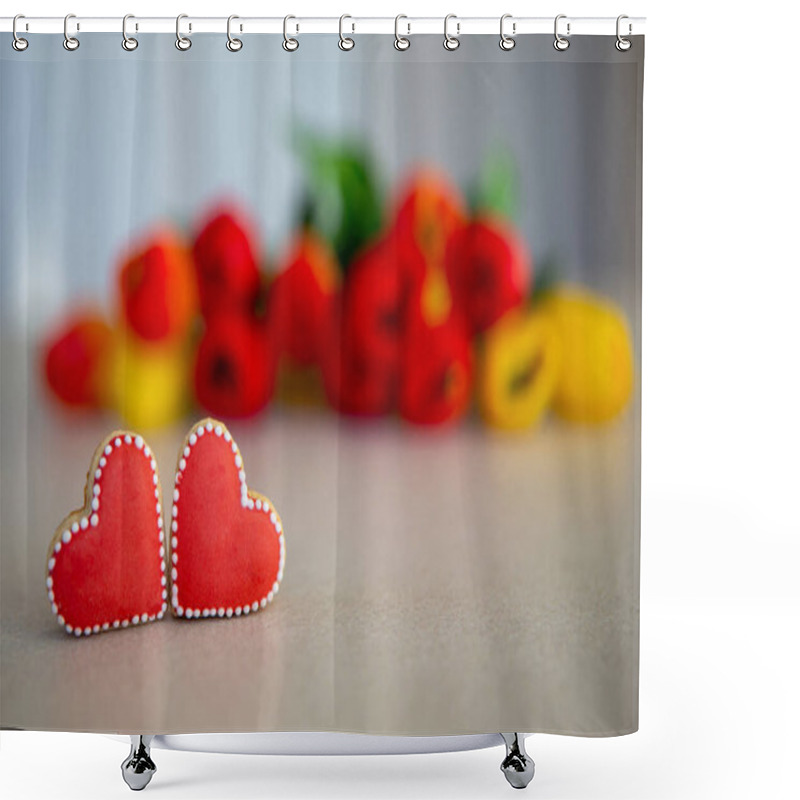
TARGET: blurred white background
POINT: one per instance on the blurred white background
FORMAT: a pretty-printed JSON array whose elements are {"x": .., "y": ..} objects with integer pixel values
[{"x": 720, "y": 524}]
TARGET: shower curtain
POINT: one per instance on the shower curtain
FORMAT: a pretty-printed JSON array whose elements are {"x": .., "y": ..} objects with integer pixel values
[{"x": 370, "y": 321}]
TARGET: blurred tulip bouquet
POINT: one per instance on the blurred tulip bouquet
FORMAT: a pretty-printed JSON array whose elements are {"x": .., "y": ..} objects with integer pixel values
[{"x": 422, "y": 311}]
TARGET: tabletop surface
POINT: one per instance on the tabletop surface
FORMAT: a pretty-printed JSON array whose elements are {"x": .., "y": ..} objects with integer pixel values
[{"x": 437, "y": 581}]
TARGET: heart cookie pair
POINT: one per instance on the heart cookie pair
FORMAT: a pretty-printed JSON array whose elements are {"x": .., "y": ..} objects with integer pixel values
[{"x": 113, "y": 563}]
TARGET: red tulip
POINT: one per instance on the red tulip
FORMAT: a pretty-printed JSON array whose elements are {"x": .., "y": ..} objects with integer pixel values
[
  {"x": 374, "y": 302},
  {"x": 303, "y": 298},
  {"x": 226, "y": 263},
  {"x": 429, "y": 213},
  {"x": 158, "y": 294},
  {"x": 362, "y": 375},
  {"x": 234, "y": 372},
  {"x": 76, "y": 359},
  {"x": 437, "y": 371},
  {"x": 489, "y": 271},
  {"x": 361, "y": 386}
]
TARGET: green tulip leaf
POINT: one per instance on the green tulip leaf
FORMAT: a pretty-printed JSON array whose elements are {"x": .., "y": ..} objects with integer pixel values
[
  {"x": 547, "y": 276},
  {"x": 496, "y": 190},
  {"x": 342, "y": 200}
]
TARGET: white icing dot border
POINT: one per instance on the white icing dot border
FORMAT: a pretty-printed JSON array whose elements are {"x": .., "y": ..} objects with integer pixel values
[
  {"x": 249, "y": 500},
  {"x": 82, "y": 523}
]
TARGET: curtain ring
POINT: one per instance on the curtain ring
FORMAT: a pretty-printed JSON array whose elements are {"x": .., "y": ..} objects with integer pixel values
[
  {"x": 233, "y": 44},
  {"x": 401, "y": 42},
  {"x": 345, "y": 42},
  {"x": 622, "y": 44},
  {"x": 560, "y": 42},
  {"x": 129, "y": 43},
  {"x": 18, "y": 43},
  {"x": 70, "y": 42},
  {"x": 289, "y": 44},
  {"x": 181, "y": 42},
  {"x": 507, "y": 42},
  {"x": 451, "y": 42}
]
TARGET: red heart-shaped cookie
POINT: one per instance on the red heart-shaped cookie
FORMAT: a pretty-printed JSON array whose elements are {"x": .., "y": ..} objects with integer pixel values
[
  {"x": 106, "y": 565},
  {"x": 227, "y": 542}
]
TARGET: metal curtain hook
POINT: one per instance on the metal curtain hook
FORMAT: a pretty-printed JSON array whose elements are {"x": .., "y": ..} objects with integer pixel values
[
  {"x": 560, "y": 42},
  {"x": 507, "y": 42},
  {"x": 181, "y": 42},
  {"x": 401, "y": 42},
  {"x": 451, "y": 42},
  {"x": 18, "y": 43},
  {"x": 233, "y": 44},
  {"x": 622, "y": 44},
  {"x": 129, "y": 43},
  {"x": 289, "y": 44},
  {"x": 345, "y": 42},
  {"x": 70, "y": 42}
]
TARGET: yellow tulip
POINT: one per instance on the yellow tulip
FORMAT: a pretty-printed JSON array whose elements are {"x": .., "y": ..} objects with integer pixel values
[
  {"x": 596, "y": 378},
  {"x": 520, "y": 369},
  {"x": 149, "y": 382}
]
